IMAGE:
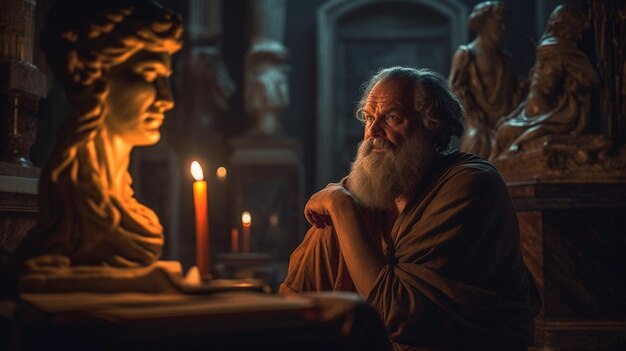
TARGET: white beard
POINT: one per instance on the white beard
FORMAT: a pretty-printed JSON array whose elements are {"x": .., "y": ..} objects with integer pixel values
[{"x": 377, "y": 179}]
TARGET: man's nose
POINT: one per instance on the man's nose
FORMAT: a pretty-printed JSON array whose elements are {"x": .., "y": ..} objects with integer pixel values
[
  {"x": 164, "y": 100},
  {"x": 376, "y": 128}
]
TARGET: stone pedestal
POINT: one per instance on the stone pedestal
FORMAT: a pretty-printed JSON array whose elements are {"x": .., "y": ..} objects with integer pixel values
[
  {"x": 267, "y": 181},
  {"x": 574, "y": 242},
  {"x": 564, "y": 159}
]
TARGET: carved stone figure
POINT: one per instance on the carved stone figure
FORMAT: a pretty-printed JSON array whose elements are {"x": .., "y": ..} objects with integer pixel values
[
  {"x": 266, "y": 87},
  {"x": 114, "y": 58},
  {"x": 203, "y": 69},
  {"x": 482, "y": 76},
  {"x": 560, "y": 89}
]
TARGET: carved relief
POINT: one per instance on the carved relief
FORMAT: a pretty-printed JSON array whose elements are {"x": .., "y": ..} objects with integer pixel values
[{"x": 569, "y": 158}]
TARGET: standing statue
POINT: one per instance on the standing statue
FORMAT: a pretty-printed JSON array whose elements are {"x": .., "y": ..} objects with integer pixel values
[
  {"x": 560, "y": 88},
  {"x": 482, "y": 76},
  {"x": 114, "y": 58},
  {"x": 266, "y": 86}
]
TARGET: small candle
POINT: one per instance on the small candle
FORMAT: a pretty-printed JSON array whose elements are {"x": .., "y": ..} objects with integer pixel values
[
  {"x": 234, "y": 240},
  {"x": 202, "y": 221},
  {"x": 246, "y": 225},
  {"x": 221, "y": 174}
]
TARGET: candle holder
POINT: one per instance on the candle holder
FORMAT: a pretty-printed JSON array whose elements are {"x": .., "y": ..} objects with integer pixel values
[{"x": 266, "y": 178}]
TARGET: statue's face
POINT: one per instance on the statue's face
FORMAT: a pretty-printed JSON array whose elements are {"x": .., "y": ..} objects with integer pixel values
[
  {"x": 138, "y": 97},
  {"x": 495, "y": 26}
]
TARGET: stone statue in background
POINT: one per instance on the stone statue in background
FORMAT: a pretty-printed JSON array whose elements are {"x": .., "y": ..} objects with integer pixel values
[
  {"x": 114, "y": 59},
  {"x": 482, "y": 76},
  {"x": 203, "y": 69},
  {"x": 266, "y": 86},
  {"x": 560, "y": 89}
]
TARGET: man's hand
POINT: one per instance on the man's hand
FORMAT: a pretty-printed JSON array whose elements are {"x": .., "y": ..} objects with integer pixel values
[
  {"x": 335, "y": 206},
  {"x": 318, "y": 210}
]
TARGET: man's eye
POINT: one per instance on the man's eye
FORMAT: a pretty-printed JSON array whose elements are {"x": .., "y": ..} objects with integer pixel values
[
  {"x": 368, "y": 118},
  {"x": 392, "y": 118}
]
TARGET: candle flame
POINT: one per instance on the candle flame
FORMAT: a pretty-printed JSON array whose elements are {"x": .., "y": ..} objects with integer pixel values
[
  {"x": 246, "y": 218},
  {"x": 221, "y": 173},
  {"x": 196, "y": 171}
]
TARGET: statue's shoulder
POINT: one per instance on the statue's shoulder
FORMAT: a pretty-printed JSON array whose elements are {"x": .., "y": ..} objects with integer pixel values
[
  {"x": 462, "y": 57},
  {"x": 464, "y": 51}
]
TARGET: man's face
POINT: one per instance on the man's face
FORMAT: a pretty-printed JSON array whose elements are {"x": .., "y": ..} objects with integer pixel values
[
  {"x": 388, "y": 113},
  {"x": 396, "y": 152},
  {"x": 138, "y": 97}
]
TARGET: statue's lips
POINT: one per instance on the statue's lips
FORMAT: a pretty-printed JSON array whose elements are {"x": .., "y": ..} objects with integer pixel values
[{"x": 153, "y": 121}]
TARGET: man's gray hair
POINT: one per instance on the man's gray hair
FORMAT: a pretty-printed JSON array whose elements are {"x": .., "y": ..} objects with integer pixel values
[{"x": 440, "y": 110}]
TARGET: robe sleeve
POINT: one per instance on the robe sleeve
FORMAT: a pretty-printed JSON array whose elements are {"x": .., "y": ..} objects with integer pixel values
[
  {"x": 317, "y": 265},
  {"x": 456, "y": 262}
]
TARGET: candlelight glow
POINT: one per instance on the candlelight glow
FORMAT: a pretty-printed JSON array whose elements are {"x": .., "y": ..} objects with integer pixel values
[
  {"x": 246, "y": 218},
  {"x": 196, "y": 171},
  {"x": 221, "y": 173},
  {"x": 273, "y": 219}
]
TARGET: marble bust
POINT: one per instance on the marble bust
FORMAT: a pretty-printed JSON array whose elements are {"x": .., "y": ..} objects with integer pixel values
[{"x": 114, "y": 59}]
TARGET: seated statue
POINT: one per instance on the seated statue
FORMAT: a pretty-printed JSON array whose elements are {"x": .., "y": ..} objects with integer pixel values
[
  {"x": 560, "y": 87},
  {"x": 114, "y": 59},
  {"x": 482, "y": 76}
]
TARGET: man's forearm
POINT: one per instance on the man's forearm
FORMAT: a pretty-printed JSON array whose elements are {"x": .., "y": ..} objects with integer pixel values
[{"x": 363, "y": 257}]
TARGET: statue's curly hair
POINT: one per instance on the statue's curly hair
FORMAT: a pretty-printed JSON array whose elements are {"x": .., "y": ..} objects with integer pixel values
[
  {"x": 567, "y": 21},
  {"x": 484, "y": 10},
  {"x": 83, "y": 39}
]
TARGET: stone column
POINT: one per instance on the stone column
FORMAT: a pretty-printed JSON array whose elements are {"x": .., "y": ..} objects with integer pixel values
[
  {"x": 21, "y": 84},
  {"x": 267, "y": 174},
  {"x": 268, "y": 19},
  {"x": 204, "y": 20},
  {"x": 21, "y": 88},
  {"x": 266, "y": 90}
]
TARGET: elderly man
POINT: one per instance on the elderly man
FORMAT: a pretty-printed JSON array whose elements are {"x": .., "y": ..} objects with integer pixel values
[{"x": 429, "y": 238}]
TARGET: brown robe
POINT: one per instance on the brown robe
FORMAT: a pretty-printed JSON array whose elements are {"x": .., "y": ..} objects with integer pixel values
[{"x": 454, "y": 275}]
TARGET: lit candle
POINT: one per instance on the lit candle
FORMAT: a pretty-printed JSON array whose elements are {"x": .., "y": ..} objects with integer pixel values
[
  {"x": 246, "y": 225},
  {"x": 202, "y": 221},
  {"x": 234, "y": 240},
  {"x": 221, "y": 173}
]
